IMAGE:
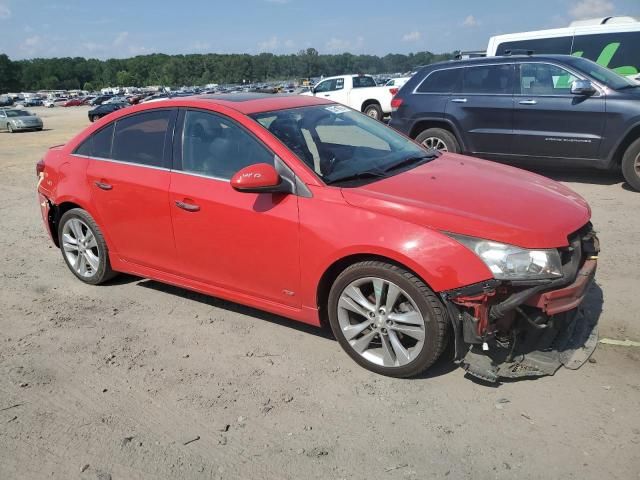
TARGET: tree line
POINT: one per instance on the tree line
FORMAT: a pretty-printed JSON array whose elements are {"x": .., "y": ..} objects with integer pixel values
[{"x": 197, "y": 69}]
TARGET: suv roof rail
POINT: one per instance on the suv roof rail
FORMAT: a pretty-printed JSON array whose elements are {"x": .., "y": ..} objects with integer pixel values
[{"x": 515, "y": 51}]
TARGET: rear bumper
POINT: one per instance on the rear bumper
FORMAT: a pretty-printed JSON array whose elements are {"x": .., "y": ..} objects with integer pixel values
[{"x": 569, "y": 297}]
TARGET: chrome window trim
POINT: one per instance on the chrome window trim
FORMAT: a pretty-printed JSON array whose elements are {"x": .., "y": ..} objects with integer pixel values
[
  {"x": 121, "y": 162},
  {"x": 576, "y": 73}
]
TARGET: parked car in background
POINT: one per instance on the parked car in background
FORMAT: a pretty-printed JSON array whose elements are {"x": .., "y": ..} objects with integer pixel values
[
  {"x": 105, "y": 109},
  {"x": 86, "y": 100},
  {"x": 33, "y": 102},
  {"x": 397, "y": 82},
  {"x": 116, "y": 99},
  {"x": 5, "y": 101},
  {"x": 100, "y": 99},
  {"x": 395, "y": 246},
  {"x": 359, "y": 92},
  {"x": 14, "y": 120},
  {"x": 74, "y": 102},
  {"x": 49, "y": 103},
  {"x": 557, "y": 110}
]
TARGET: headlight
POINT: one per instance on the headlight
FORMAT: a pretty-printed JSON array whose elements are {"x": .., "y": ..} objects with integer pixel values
[{"x": 508, "y": 262}]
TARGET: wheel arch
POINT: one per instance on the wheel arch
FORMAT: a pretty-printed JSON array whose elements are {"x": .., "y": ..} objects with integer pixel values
[
  {"x": 424, "y": 124},
  {"x": 631, "y": 136},
  {"x": 338, "y": 266},
  {"x": 370, "y": 101}
]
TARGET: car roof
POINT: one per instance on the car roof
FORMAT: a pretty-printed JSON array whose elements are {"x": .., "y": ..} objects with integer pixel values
[{"x": 249, "y": 103}]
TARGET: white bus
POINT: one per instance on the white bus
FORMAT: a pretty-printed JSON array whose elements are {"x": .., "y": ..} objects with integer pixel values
[{"x": 613, "y": 42}]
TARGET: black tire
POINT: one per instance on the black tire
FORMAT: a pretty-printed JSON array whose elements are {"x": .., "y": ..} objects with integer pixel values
[
  {"x": 432, "y": 310},
  {"x": 631, "y": 165},
  {"x": 104, "y": 271},
  {"x": 92, "y": 118},
  {"x": 373, "y": 110},
  {"x": 444, "y": 136}
]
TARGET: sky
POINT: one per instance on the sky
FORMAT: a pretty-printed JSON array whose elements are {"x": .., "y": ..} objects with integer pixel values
[{"x": 119, "y": 29}]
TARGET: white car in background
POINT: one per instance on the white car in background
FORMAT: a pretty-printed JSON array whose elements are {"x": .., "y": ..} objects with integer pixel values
[
  {"x": 359, "y": 92},
  {"x": 49, "y": 103},
  {"x": 397, "y": 82}
]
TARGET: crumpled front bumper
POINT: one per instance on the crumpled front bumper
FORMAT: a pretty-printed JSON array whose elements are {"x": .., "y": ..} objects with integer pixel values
[{"x": 508, "y": 330}]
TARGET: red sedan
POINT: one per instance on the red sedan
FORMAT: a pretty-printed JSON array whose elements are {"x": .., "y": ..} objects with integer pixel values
[
  {"x": 74, "y": 102},
  {"x": 313, "y": 211}
]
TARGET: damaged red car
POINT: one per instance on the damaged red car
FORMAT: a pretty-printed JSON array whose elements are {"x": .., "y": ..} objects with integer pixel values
[{"x": 315, "y": 212}]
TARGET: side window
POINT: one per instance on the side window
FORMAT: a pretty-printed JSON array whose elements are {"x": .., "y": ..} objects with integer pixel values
[
  {"x": 488, "y": 79},
  {"x": 324, "y": 86},
  {"x": 442, "y": 81},
  {"x": 539, "y": 45},
  {"x": 544, "y": 79},
  {"x": 98, "y": 144},
  {"x": 217, "y": 147},
  {"x": 362, "y": 82},
  {"x": 140, "y": 138}
]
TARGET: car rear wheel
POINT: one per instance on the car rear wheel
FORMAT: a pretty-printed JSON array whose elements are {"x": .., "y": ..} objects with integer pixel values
[
  {"x": 631, "y": 165},
  {"x": 439, "y": 139},
  {"x": 374, "y": 111},
  {"x": 83, "y": 247},
  {"x": 387, "y": 319}
]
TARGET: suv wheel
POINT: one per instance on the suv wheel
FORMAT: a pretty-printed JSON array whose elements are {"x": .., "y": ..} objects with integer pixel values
[
  {"x": 83, "y": 247},
  {"x": 387, "y": 319},
  {"x": 439, "y": 139},
  {"x": 631, "y": 165}
]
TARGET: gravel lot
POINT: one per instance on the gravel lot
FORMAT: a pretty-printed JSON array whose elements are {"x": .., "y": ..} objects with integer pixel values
[{"x": 141, "y": 380}]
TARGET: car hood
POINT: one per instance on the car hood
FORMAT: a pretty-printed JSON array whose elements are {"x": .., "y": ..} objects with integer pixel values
[{"x": 459, "y": 194}]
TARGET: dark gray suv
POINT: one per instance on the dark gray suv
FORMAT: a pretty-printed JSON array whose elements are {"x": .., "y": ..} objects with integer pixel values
[{"x": 531, "y": 109}]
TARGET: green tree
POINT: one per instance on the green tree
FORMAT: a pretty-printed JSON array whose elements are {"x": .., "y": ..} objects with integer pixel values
[{"x": 8, "y": 75}]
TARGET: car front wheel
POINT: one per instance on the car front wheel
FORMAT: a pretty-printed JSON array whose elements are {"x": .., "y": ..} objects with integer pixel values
[
  {"x": 387, "y": 319},
  {"x": 631, "y": 165},
  {"x": 10, "y": 128},
  {"x": 83, "y": 247}
]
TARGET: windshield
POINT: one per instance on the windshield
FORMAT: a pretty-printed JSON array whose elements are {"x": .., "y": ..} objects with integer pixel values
[
  {"x": 608, "y": 77},
  {"x": 17, "y": 113},
  {"x": 342, "y": 145}
]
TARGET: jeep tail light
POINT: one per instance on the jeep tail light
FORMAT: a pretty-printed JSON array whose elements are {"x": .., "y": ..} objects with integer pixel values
[
  {"x": 393, "y": 91},
  {"x": 39, "y": 168},
  {"x": 395, "y": 104}
]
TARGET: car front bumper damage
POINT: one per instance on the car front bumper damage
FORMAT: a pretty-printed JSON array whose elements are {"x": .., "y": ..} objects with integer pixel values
[{"x": 520, "y": 329}]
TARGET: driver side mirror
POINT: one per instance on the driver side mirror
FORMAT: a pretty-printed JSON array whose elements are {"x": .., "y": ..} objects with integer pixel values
[
  {"x": 259, "y": 178},
  {"x": 582, "y": 87}
]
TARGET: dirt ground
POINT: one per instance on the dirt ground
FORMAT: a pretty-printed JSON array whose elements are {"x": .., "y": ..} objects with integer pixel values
[{"x": 141, "y": 380}]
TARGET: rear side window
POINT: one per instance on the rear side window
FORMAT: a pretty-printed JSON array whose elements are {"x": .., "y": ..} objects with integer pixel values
[
  {"x": 140, "y": 138},
  {"x": 442, "y": 81},
  {"x": 97, "y": 145},
  {"x": 361, "y": 82},
  {"x": 488, "y": 79}
]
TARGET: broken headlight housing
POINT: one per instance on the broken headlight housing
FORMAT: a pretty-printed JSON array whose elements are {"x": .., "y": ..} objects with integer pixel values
[{"x": 508, "y": 262}]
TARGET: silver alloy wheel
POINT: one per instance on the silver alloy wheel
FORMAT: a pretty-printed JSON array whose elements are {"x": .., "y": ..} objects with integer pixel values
[
  {"x": 381, "y": 322},
  {"x": 435, "y": 142},
  {"x": 80, "y": 247}
]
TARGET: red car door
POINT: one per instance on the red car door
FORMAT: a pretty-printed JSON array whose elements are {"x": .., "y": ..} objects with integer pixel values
[
  {"x": 129, "y": 182},
  {"x": 246, "y": 242}
]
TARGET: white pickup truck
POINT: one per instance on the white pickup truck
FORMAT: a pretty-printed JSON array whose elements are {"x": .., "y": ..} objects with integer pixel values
[{"x": 356, "y": 91}]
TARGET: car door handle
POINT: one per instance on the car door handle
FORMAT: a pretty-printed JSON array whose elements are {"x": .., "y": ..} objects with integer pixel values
[
  {"x": 327, "y": 94},
  {"x": 459, "y": 100},
  {"x": 527, "y": 102},
  {"x": 189, "y": 207},
  {"x": 104, "y": 186}
]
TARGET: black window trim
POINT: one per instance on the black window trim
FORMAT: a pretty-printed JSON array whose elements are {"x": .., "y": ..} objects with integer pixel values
[
  {"x": 478, "y": 94},
  {"x": 168, "y": 139}
]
